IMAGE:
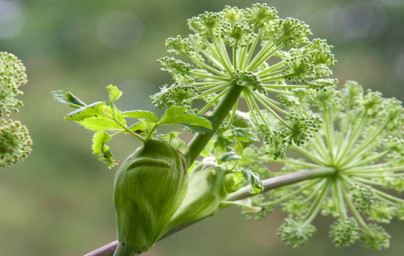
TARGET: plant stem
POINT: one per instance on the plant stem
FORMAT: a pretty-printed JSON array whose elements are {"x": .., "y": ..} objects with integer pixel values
[
  {"x": 129, "y": 131},
  {"x": 283, "y": 180},
  {"x": 200, "y": 140},
  {"x": 106, "y": 250}
]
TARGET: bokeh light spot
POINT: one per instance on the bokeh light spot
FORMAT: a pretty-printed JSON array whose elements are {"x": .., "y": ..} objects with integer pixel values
[
  {"x": 358, "y": 20},
  {"x": 11, "y": 19}
]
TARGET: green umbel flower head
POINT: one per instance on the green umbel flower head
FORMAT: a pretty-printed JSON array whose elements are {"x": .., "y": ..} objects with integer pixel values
[
  {"x": 12, "y": 76},
  {"x": 362, "y": 141},
  {"x": 271, "y": 58},
  {"x": 15, "y": 142},
  {"x": 296, "y": 233}
]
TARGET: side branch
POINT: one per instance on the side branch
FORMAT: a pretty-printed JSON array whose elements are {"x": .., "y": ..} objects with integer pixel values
[
  {"x": 281, "y": 181},
  {"x": 244, "y": 192}
]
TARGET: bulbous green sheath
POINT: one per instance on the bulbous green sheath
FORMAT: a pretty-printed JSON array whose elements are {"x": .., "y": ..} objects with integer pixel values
[
  {"x": 205, "y": 192},
  {"x": 148, "y": 189}
]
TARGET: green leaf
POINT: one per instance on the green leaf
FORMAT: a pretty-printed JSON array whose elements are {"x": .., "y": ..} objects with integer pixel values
[
  {"x": 174, "y": 141},
  {"x": 101, "y": 150},
  {"x": 177, "y": 115},
  {"x": 113, "y": 92},
  {"x": 231, "y": 155},
  {"x": 233, "y": 182},
  {"x": 67, "y": 98},
  {"x": 97, "y": 117},
  {"x": 244, "y": 134},
  {"x": 139, "y": 127},
  {"x": 254, "y": 180},
  {"x": 100, "y": 124},
  {"x": 141, "y": 114},
  {"x": 93, "y": 110}
]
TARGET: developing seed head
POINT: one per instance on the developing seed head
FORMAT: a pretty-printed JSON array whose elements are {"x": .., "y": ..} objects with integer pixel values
[
  {"x": 296, "y": 233},
  {"x": 345, "y": 232},
  {"x": 12, "y": 76},
  {"x": 363, "y": 197},
  {"x": 253, "y": 48},
  {"x": 15, "y": 142},
  {"x": 375, "y": 238}
]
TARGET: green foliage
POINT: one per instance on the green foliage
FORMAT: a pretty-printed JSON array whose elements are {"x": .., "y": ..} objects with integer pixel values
[
  {"x": 67, "y": 98},
  {"x": 254, "y": 180},
  {"x": 113, "y": 92},
  {"x": 174, "y": 141},
  {"x": 97, "y": 117},
  {"x": 230, "y": 155},
  {"x": 178, "y": 115},
  {"x": 107, "y": 121},
  {"x": 101, "y": 150},
  {"x": 141, "y": 114}
]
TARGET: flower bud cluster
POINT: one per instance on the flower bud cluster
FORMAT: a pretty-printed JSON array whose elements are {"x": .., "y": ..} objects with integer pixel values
[
  {"x": 271, "y": 58},
  {"x": 362, "y": 141},
  {"x": 12, "y": 76},
  {"x": 15, "y": 142}
]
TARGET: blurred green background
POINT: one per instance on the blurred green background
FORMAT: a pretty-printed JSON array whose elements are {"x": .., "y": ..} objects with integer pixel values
[{"x": 59, "y": 200}]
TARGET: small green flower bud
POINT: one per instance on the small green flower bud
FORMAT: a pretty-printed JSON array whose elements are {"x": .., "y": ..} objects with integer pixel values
[
  {"x": 242, "y": 119},
  {"x": 233, "y": 182},
  {"x": 149, "y": 187}
]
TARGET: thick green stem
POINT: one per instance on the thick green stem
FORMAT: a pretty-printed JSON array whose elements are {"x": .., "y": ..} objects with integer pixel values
[{"x": 200, "y": 140}]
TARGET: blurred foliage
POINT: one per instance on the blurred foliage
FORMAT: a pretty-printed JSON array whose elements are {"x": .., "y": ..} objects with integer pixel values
[{"x": 59, "y": 200}]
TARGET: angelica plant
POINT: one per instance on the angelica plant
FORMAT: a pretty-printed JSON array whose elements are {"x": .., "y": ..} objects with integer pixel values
[
  {"x": 350, "y": 141},
  {"x": 15, "y": 142}
]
